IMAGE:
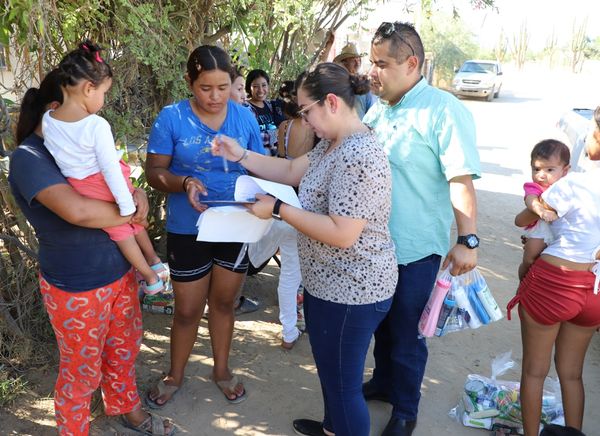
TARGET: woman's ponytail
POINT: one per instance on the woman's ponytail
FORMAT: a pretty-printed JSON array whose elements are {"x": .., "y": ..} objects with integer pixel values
[{"x": 35, "y": 102}]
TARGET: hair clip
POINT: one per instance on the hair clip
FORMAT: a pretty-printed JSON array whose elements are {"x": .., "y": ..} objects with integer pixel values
[
  {"x": 198, "y": 67},
  {"x": 98, "y": 58},
  {"x": 85, "y": 46}
]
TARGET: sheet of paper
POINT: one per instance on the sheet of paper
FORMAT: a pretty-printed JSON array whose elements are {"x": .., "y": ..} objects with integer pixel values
[
  {"x": 231, "y": 224},
  {"x": 247, "y": 187}
]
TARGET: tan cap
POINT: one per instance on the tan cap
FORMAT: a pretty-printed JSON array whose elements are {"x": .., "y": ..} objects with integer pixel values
[{"x": 349, "y": 51}]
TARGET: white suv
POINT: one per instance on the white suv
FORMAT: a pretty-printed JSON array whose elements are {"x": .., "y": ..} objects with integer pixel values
[{"x": 478, "y": 79}]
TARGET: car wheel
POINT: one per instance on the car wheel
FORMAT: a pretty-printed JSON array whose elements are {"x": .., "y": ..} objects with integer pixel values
[
  {"x": 490, "y": 96},
  {"x": 169, "y": 310},
  {"x": 497, "y": 93}
]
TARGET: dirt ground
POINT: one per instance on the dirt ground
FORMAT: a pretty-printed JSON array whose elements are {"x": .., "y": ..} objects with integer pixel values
[{"x": 283, "y": 385}]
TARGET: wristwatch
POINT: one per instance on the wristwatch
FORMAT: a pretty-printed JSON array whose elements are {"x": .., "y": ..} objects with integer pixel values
[
  {"x": 276, "y": 207},
  {"x": 470, "y": 241}
]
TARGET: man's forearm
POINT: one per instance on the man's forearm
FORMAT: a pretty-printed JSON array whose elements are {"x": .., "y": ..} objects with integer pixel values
[{"x": 464, "y": 204}]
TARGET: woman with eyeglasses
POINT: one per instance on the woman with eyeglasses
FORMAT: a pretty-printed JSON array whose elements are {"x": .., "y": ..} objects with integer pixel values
[
  {"x": 269, "y": 113},
  {"x": 346, "y": 252}
]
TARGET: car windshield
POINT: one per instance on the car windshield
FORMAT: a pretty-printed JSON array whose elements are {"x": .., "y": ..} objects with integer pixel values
[{"x": 478, "y": 67}]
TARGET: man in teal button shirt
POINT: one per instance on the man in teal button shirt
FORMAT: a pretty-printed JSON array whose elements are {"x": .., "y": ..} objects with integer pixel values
[{"x": 429, "y": 137}]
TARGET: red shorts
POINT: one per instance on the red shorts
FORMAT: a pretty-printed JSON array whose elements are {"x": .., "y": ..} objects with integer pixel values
[
  {"x": 95, "y": 187},
  {"x": 552, "y": 294}
]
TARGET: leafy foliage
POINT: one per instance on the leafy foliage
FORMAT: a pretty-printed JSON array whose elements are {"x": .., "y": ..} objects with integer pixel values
[{"x": 450, "y": 42}]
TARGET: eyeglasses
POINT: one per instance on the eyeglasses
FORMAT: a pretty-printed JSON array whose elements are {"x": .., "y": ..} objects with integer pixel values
[
  {"x": 304, "y": 111},
  {"x": 386, "y": 30}
]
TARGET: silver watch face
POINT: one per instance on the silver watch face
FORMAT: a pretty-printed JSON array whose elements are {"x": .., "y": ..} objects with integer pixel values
[{"x": 472, "y": 241}]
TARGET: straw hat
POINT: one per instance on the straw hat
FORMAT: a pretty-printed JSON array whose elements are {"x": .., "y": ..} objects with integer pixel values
[{"x": 349, "y": 51}]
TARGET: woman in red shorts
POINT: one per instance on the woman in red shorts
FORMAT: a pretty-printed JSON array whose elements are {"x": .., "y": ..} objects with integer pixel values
[{"x": 558, "y": 302}]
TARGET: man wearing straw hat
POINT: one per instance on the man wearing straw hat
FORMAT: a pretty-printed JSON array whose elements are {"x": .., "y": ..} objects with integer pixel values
[{"x": 350, "y": 59}]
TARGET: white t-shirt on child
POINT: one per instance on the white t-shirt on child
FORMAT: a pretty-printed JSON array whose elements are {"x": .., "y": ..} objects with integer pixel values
[
  {"x": 85, "y": 147},
  {"x": 576, "y": 199}
]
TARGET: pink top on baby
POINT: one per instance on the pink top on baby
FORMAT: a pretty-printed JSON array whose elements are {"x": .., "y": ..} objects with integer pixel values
[{"x": 532, "y": 188}]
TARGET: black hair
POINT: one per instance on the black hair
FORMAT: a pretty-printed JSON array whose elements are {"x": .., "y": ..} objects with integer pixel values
[
  {"x": 597, "y": 117},
  {"x": 236, "y": 72},
  {"x": 34, "y": 104},
  {"x": 330, "y": 78},
  {"x": 84, "y": 63},
  {"x": 208, "y": 58},
  {"x": 286, "y": 90},
  {"x": 252, "y": 76},
  {"x": 551, "y": 147},
  {"x": 287, "y": 94},
  {"x": 404, "y": 40},
  {"x": 299, "y": 81}
]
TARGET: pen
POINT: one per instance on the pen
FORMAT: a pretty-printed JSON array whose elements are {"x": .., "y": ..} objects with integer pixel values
[{"x": 225, "y": 163}]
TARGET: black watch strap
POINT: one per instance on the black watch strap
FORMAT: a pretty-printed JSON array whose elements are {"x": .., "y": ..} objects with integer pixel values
[
  {"x": 470, "y": 241},
  {"x": 276, "y": 207}
]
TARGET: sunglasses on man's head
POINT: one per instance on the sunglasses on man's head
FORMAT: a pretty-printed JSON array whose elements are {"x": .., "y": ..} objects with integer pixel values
[{"x": 386, "y": 30}]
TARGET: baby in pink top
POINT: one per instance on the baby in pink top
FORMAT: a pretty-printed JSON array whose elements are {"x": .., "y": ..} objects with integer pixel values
[{"x": 549, "y": 162}]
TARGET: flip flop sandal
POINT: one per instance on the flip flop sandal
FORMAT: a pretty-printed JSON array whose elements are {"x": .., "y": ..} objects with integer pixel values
[
  {"x": 163, "y": 389},
  {"x": 288, "y": 346},
  {"x": 229, "y": 386},
  {"x": 246, "y": 305},
  {"x": 152, "y": 426}
]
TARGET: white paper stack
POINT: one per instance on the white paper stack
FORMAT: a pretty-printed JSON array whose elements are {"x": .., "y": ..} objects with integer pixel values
[{"x": 235, "y": 223}]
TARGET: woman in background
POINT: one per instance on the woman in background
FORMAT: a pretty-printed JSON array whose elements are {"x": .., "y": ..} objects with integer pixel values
[
  {"x": 82, "y": 272},
  {"x": 269, "y": 113}
]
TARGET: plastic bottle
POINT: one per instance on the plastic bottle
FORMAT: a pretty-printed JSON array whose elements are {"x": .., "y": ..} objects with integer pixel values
[
  {"x": 487, "y": 299},
  {"x": 477, "y": 305},
  {"x": 462, "y": 302},
  {"x": 272, "y": 130},
  {"x": 447, "y": 307},
  {"x": 431, "y": 313}
]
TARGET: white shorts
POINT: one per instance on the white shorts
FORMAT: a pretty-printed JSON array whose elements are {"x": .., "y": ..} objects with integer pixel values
[{"x": 541, "y": 230}]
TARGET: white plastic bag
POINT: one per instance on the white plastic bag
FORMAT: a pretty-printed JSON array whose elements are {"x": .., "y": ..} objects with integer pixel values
[
  {"x": 468, "y": 304},
  {"x": 491, "y": 403}
]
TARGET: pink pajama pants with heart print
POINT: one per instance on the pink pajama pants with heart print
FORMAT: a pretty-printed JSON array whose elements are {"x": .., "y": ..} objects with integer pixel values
[{"x": 99, "y": 333}]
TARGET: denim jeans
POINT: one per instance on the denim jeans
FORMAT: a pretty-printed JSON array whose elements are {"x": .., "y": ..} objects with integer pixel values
[
  {"x": 400, "y": 354},
  {"x": 339, "y": 337}
]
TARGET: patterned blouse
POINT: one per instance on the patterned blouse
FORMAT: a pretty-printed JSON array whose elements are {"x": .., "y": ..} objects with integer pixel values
[{"x": 352, "y": 180}]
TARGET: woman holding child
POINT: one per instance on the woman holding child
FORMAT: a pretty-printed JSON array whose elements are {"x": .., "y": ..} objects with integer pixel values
[
  {"x": 88, "y": 287},
  {"x": 347, "y": 256},
  {"x": 558, "y": 299}
]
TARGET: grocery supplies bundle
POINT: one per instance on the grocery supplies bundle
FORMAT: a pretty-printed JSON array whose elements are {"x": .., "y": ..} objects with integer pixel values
[
  {"x": 493, "y": 404},
  {"x": 457, "y": 303},
  {"x": 161, "y": 302}
]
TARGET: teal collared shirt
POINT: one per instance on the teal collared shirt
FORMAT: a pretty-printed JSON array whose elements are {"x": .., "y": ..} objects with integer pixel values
[{"x": 429, "y": 138}]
